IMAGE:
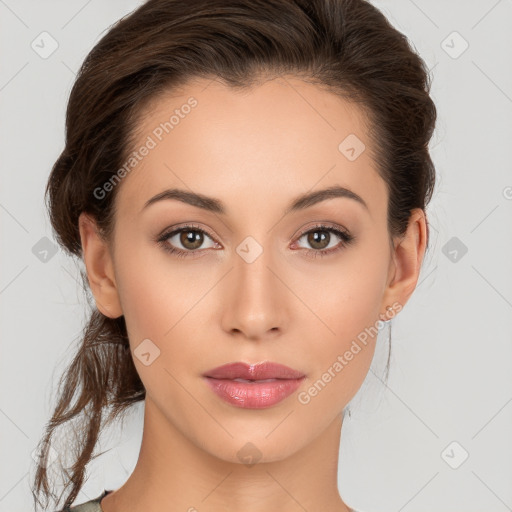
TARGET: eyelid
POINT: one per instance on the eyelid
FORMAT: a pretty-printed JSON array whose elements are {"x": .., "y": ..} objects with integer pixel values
[
  {"x": 326, "y": 226},
  {"x": 181, "y": 227}
]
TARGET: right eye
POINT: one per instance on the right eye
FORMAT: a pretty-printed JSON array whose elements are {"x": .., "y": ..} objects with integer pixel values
[{"x": 191, "y": 237}]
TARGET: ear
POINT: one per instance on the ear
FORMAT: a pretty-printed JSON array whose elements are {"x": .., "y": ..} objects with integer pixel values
[
  {"x": 99, "y": 266},
  {"x": 406, "y": 263}
]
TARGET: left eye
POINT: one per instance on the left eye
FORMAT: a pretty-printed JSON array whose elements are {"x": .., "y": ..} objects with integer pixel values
[{"x": 318, "y": 237}]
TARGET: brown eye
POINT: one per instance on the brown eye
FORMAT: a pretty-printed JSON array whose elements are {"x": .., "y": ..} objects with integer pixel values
[
  {"x": 185, "y": 241},
  {"x": 191, "y": 239},
  {"x": 317, "y": 239},
  {"x": 320, "y": 237}
]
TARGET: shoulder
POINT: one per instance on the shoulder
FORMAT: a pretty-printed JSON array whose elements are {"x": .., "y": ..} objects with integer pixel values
[{"x": 89, "y": 506}]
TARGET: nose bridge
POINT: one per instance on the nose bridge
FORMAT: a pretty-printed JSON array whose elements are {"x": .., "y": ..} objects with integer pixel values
[
  {"x": 252, "y": 267},
  {"x": 256, "y": 303}
]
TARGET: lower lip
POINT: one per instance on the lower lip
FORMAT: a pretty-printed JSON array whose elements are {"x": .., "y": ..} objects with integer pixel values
[{"x": 253, "y": 395}]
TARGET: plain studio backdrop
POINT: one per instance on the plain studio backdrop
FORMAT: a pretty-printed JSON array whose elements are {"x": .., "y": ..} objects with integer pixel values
[{"x": 438, "y": 436}]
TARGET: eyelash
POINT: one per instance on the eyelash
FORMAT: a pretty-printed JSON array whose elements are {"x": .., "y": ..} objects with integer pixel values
[{"x": 344, "y": 235}]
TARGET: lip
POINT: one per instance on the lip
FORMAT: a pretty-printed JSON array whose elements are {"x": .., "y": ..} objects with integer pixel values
[
  {"x": 253, "y": 386},
  {"x": 258, "y": 371}
]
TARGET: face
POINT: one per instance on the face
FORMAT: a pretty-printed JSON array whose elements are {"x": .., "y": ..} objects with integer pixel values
[{"x": 255, "y": 274}]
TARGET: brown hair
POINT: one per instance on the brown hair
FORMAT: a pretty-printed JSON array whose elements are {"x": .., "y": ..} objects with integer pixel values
[{"x": 346, "y": 46}]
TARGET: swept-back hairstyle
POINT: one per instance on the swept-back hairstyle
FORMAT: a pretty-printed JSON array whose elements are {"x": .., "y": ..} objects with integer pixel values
[{"x": 346, "y": 46}]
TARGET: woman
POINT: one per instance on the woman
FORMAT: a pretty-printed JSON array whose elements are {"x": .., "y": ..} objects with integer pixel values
[{"x": 246, "y": 184}]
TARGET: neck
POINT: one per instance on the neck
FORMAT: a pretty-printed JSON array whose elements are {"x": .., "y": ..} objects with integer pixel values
[{"x": 172, "y": 473}]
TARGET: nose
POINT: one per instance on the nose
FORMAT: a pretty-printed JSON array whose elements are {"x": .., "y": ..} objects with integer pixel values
[{"x": 255, "y": 305}]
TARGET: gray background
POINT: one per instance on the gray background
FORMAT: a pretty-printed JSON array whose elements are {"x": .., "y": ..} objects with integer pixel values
[{"x": 450, "y": 388}]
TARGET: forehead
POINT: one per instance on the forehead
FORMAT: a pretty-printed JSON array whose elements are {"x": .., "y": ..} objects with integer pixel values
[{"x": 279, "y": 138}]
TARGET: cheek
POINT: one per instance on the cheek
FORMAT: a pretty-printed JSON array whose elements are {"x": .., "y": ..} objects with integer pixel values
[
  {"x": 342, "y": 356},
  {"x": 346, "y": 296},
  {"x": 160, "y": 294},
  {"x": 144, "y": 284},
  {"x": 352, "y": 328},
  {"x": 347, "y": 300}
]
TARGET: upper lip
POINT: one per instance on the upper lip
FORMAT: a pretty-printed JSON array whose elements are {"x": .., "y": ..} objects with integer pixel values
[{"x": 258, "y": 371}]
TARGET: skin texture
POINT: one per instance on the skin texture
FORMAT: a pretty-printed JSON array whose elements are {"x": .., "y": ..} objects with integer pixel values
[{"x": 255, "y": 151}]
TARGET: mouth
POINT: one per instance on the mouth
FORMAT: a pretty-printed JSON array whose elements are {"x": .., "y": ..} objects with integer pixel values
[{"x": 253, "y": 386}]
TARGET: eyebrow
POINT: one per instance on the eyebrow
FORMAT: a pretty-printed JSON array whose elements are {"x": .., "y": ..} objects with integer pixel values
[{"x": 216, "y": 206}]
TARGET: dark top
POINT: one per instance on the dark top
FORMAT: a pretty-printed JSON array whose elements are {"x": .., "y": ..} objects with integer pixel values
[{"x": 88, "y": 506}]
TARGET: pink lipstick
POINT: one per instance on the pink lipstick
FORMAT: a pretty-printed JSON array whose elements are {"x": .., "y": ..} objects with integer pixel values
[{"x": 253, "y": 386}]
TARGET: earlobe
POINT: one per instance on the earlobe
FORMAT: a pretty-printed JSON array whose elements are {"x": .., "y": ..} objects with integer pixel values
[
  {"x": 407, "y": 260},
  {"x": 99, "y": 267}
]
